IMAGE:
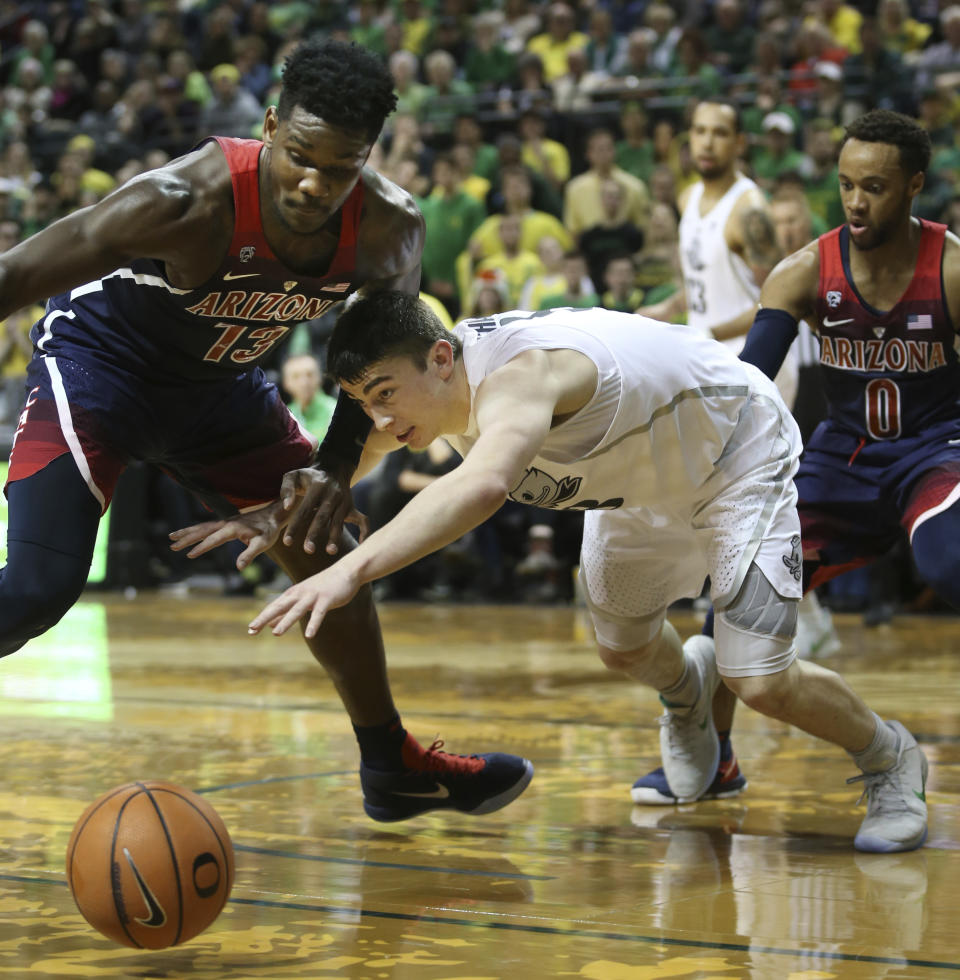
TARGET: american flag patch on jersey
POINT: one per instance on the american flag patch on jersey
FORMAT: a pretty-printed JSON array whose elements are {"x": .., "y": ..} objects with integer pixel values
[{"x": 922, "y": 321}]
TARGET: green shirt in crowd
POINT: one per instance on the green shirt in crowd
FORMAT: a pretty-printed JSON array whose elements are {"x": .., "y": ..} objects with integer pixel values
[
  {"x": 823, "y": 196},
  {"x": 636, "y": 160},
  {"x": 556, "y": 300},
  {"x": 767, "y": 167},
  {"x": 315, "y": 418},
  {"x": 450, "y": 221}
]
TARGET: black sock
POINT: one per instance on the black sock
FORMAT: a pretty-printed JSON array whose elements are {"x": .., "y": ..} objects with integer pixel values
[
  {"x": 708, "y": 623},
  {"x": 380, "y": 744}
]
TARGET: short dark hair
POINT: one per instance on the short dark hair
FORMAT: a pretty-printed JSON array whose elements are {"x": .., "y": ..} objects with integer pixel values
[
  {"x": 381, "y": 325},
  {"x": 896, "y": 129},
  {"x": 341, "y": 83},
  {"x": 731, "y": 104}
]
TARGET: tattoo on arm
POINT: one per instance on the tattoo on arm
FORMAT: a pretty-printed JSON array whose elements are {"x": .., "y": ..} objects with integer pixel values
[{"x": 760, "y": 249}]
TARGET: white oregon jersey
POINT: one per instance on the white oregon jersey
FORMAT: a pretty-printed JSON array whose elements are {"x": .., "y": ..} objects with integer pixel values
[
  {"x": 719, "y": 284},
  {"x": 660, "y": 433}
]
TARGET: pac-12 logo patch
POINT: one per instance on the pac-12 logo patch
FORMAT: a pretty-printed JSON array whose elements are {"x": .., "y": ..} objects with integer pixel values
[
  {"x": 833, "y": 298},
  {"x": 247, "y": 253}
]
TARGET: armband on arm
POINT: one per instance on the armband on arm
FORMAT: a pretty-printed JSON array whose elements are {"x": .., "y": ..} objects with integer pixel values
[
  {"x": 770, "y": 337},
  {"x": 346, "y": 434}
]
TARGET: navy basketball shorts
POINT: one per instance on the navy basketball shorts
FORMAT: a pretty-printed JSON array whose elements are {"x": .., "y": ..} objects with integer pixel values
[
  {"x": 229, "y": 441},
  {"x": 857, "y": 498}
]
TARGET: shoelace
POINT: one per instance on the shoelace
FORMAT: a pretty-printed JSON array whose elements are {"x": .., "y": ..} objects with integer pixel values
[
  {"x": 675, "y": 725},
  {"x": 433, "y": 760},
  {"x": 873, "y": 781}
]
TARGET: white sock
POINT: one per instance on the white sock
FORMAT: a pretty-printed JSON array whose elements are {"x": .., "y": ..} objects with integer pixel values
[
  {"x": 882, "y": 752},
  {"x": 685, "y": 692}
]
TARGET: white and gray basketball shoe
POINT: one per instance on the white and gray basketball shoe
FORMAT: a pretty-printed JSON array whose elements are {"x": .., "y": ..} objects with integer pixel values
[
  {"x": 896, "y": 817},
  {"x": 689, "y": 746}
]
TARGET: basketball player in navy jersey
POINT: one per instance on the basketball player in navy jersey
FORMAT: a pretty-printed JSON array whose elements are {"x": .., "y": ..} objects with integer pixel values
[
  {"x": 883, "y": 292},
  {"x": 161, "y": 300}
]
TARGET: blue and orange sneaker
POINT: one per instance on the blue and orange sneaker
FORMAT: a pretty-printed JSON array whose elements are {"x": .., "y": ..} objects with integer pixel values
[
  {"x": 435, "y": 780},
  {"x": 654, "y": 790}
]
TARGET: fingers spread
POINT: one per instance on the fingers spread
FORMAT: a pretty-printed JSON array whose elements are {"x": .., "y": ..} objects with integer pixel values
[
  {"x": 187, "y": 536},
  {"x": 316, "y": 618},
  {"x": 214, "y": 540},
  {"x": 272, "y": 612}
]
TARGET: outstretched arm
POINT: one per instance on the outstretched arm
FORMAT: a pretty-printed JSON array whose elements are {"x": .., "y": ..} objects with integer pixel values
[
  {"x": 173, "y": 214},
  {"x": 514, "y": 409}
]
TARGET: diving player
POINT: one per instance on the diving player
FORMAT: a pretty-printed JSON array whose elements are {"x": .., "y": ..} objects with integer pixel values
[{"x": 682, "y": 457}]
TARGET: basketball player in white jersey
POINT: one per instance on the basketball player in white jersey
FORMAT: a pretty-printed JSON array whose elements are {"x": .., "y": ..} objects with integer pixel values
[
  {"x": 682, "y": 457},
  {"x": 727, "y": 240}
]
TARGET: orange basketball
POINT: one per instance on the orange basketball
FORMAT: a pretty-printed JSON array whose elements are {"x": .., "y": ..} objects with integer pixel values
[{"x": 150, "y": 864}]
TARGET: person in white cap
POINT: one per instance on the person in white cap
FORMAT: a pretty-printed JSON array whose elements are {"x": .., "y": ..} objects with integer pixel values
[
  {"x": 827, "y": 99},
  {"x": 778, "y": 154}
]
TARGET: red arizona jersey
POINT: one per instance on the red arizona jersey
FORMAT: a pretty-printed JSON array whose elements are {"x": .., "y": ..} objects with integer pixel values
[
  {"x": 137, "y": 320},
  {"x": 887, "y": 373}
]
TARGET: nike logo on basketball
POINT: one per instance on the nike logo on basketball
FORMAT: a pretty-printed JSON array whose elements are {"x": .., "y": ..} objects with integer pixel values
[
  {"x": 227, "y": 276},
  {"x": 440, "y": 793},
  {"x": 830, "y": 323},
  {"x": 157, "y": 916}
]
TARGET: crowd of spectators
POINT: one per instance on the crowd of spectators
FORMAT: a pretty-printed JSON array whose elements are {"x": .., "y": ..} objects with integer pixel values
[{"x": 544, "y": 142}]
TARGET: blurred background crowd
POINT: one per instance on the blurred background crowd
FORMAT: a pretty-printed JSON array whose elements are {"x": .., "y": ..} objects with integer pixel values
[{"x": 545, "y": 143}]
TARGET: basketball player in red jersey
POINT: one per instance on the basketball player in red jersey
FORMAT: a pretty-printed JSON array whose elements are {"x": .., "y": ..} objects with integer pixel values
[
  {"x": 161, "y": 299},
  {"x": 884, "y": 292}
]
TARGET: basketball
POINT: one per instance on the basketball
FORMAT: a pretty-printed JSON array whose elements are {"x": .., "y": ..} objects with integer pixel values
[{"x": 150, "y": 864}]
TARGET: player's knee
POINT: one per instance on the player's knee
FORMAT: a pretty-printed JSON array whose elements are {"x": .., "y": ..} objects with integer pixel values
[
  {"x": 629, "y": 660},
  {"x": 770, "y": 694},
  {"x": 754, "y": 632},
  {"x": 937, "y": 566},
  {"x": 627, "y": 645},
  {"x": 29, "y": 606}
]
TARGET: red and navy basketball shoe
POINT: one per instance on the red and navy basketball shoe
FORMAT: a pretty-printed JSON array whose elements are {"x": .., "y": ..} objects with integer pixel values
[
  {"x": 654, "y": 790},
  {"x": 435, "y": 780}
]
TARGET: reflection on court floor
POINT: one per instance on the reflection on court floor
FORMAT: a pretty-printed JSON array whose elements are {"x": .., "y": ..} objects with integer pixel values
[{"x": 571, "y": 880}]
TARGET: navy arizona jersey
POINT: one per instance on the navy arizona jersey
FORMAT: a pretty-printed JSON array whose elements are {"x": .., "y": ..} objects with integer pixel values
[
  {"x": 137, "y": 321},
  {"x": 887, "y": 374}
]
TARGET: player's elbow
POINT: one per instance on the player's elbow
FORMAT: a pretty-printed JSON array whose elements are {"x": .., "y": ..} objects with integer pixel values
[{"x": 490, "y": 492}]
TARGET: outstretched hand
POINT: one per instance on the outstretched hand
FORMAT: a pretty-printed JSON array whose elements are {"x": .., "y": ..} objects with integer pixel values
[
  {"x": 316, "y": 595},
  {"x": 318, "y": 503},
  {"x": 257, "y": 529}
]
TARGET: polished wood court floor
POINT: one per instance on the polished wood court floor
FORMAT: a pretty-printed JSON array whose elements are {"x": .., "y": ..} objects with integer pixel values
[{"x": 571, "y": 880}]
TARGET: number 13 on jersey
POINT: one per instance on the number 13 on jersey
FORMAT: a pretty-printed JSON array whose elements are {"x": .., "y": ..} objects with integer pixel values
[{"x": 232, "y": 333}]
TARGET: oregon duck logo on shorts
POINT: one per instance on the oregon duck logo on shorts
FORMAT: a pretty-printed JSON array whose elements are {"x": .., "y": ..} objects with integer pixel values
[
  {"x": 540, "y": 489},
  {"x": 794, "y": 561}
]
